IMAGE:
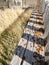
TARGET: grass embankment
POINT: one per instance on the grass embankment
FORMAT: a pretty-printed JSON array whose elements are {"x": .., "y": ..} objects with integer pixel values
[
  {"x": 11, "y": 36},
  {"x": 8, "y": 16}
]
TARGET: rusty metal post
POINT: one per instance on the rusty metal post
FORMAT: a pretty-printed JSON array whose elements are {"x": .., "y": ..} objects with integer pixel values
[{"x": 39, "y": 6}]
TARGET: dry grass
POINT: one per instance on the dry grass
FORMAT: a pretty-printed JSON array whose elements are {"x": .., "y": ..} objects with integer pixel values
[
  {"x": 7, "y": 17},
  {"x": 11, "y": 36}
]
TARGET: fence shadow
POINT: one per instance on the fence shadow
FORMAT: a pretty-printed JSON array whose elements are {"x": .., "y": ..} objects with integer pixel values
[{"x": 30, "y": 56}]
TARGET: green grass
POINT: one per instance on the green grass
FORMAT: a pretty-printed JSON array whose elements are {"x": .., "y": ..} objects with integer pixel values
[{"x": 10, "y": 37}]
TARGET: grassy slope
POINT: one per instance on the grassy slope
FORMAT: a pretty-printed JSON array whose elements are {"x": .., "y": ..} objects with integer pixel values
[
  {"x": 7, "y": 17},
  {"x": 11, "y": 36}
]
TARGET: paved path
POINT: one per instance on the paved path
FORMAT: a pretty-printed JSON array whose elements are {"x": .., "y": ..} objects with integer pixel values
[{"x": 30, "y": 50}]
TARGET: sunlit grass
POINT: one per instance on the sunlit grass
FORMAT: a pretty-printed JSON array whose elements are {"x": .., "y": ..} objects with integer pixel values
[
  {"x": 7, "y": 17},
  {"x": 10, "y": 37}
]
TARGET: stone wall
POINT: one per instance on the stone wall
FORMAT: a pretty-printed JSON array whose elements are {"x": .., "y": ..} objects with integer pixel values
[
  {"x": 10, "y": 3},
  {"x": 29, "y": 3},
  {"x": 2, "y": 3},
  {"x": 19, "y": 3}
]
